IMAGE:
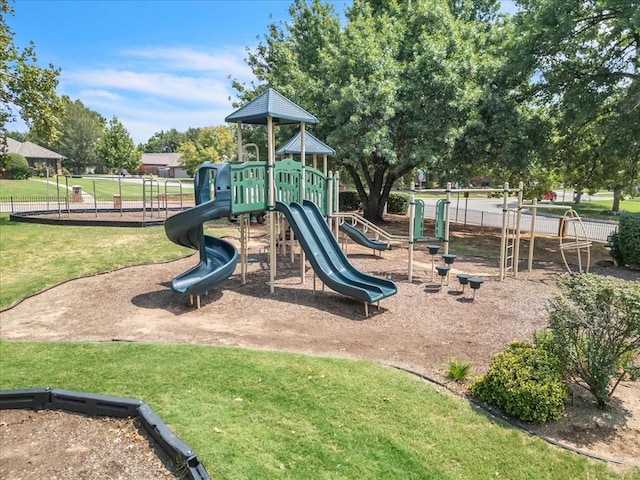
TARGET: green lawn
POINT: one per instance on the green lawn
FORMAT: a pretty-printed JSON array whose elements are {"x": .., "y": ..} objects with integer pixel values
[
  {"x": 36, "y": 256},
  {"x": 251, "y": 414},
  {"x": 601, "y": 209},
  {"x": 24, "y": 190},
  {"x": 262, "y": 415}
]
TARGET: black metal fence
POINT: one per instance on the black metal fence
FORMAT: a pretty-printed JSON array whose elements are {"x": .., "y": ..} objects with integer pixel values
[
  {"x": 161, "y": 203},
  {"x": 595, "y": 230}
]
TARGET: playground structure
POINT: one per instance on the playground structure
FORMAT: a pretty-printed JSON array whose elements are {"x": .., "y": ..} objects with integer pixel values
[
  {"x": 571, "y": 231},
  {"x": 289, "y": 191},
  {"x": 306, "y": 200}
]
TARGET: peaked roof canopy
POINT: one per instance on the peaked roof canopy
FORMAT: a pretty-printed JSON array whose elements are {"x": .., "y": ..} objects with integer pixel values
[
  {"x": 271, "y": 104},
  {"x": 312, "y": 146}
]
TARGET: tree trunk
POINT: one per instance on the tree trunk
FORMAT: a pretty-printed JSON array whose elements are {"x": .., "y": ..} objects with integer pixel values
[
  {"x": 577, "y": 196},
  {"x": 617, "y": 194},
  {"x": 373, "y": 170},
  {"x": 379, "y": 176}
]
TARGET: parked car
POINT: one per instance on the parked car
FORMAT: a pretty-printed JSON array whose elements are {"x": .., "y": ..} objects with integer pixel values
[{"x": 551, "y": 196}]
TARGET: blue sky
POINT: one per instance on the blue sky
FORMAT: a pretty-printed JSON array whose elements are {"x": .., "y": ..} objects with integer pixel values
[{"x": 155, "y": 64}]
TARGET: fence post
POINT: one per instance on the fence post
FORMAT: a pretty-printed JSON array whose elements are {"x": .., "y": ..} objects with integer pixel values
[{"x": 95, "y": 199}]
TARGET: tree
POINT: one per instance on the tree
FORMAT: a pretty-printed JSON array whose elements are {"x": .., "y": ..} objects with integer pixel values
[
  {"x": 17, "y": 166},
  {"x": 81, "y": 128},
  {"x": 386, "y": 86},
  {"x": 209, "y": 143},
  {"x": 164, "y": 142},
  {"x": 505, "y": 135},
  {"x": 595, "y": 326},
  {"x": 26, "y": 89},
  {"x": 116, "y": 148},
  {"x": 582, "y": 58}
]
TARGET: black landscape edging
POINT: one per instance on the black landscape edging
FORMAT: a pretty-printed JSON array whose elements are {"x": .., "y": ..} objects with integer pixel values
[
  {"x": 35, "y": 216},
  {"x": 94, "y": 404}
]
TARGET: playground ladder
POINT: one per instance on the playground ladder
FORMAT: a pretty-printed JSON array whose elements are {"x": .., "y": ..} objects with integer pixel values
[{"x": 511, "y": 241}]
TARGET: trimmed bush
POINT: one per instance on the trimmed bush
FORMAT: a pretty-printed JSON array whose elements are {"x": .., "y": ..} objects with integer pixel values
[
  {"x": 398, "y": 203},
  {"x": 595, "y": 327},
  {"x": 525, "y": 382},
  {"x": 629, "y": 239},
  {"x": 17, "y": 166},
  {"x": 614, "y": 244},
  {"x": 349, "y": 200}
]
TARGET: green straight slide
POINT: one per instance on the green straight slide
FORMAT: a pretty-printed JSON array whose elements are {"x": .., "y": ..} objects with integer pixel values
[
  {"x": 328, "y": 259},
  {"x": 359, "y": 237}
]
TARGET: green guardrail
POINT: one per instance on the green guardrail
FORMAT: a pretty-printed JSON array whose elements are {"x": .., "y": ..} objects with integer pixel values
[
  {"x": 440, "y": 218},
  {"x": 418, "y": 220},
  {"x": 249, "y": 185}
]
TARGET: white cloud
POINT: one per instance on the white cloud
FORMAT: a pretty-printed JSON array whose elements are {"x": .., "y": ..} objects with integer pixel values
[
  {"x": 98, "y": 94},
  {"x": 144, "y": 116},
  {"x": 160, "y": 88},
  {"x": 193, "y": 89},
  {"x": 227, "y": 63},
  {"x": 141, "y": 128}
]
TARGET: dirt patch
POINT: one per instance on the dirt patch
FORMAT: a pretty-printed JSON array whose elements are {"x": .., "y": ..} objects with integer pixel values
[
  {"x": 55, "y": 444},
  {"x": 420, "y": 328}
]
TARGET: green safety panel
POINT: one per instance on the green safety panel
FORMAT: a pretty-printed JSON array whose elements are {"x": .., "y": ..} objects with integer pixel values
[
  {"x": 250, "y": 185},
  {"x": 316, "y": 188},
  {"x": 288, "y": 179},
  {"x": 440, "y": 218},
  {"x": 418, "y": 220}
]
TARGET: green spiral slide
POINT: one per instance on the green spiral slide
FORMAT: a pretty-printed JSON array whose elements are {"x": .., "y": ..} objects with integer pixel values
[{"x": 218, "y": 258}]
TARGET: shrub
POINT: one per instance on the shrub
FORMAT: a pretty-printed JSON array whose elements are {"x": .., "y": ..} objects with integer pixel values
[
  {"x": 614, "y": 244},
  {"x": 17, "y": 166},
  {"x": 629, "y": 239},
  {"x": 458, "y": 371},
  {"x": 398, "y": 203},
  {"x": 349, "y": 200},
  {"x": 526, "y": 382},
  {"x": 595, "y": 323}
]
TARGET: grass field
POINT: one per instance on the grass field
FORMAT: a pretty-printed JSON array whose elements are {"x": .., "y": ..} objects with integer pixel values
[
  {"x": 252, "y": 414},
  {"x": 36, "y": 256},
  {"x": 601, "y": 209},
  {"x": 101, "y": 187},
  {"x": 266, "y": 415}
]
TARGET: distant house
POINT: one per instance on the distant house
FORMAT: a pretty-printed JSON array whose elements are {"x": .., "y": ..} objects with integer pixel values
[
  {"x": 163, "y": 165},
  {"x": 35, "y": 154}
]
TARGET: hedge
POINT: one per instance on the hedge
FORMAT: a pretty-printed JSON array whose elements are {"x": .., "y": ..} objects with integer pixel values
[{"x": 625, "y": 243}]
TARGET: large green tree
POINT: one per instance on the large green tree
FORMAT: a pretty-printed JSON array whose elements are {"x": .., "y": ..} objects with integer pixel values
[
  {"x": 116, "y": 149},
  {"x": 164, "y": 142},
  {"x": 207, "y": 144},
  {"x": 505, "y": 135},
  {"x": 582, "y": 56},
  {"x": 27, "y": 90},
  {"x": 389, "y": 86},
  {"x": 80, "y": 131}
]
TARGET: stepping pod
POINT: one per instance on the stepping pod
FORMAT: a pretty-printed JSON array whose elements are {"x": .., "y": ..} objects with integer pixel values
[
  {"x": 448, "y": 258},
  {"x": 463, "y": 278},
  {"x": 443, "y": 271},
  {"x": 433, "y": 250},
  {"x": 475, "y": 283}
]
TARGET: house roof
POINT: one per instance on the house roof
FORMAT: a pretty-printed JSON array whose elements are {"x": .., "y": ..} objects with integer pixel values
[
  {"x": 31, "y": 150},
  {"x": 161, "y": 159},
  {"x": 312, "y": 146},
  {"x": 271, "y": 104}
]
